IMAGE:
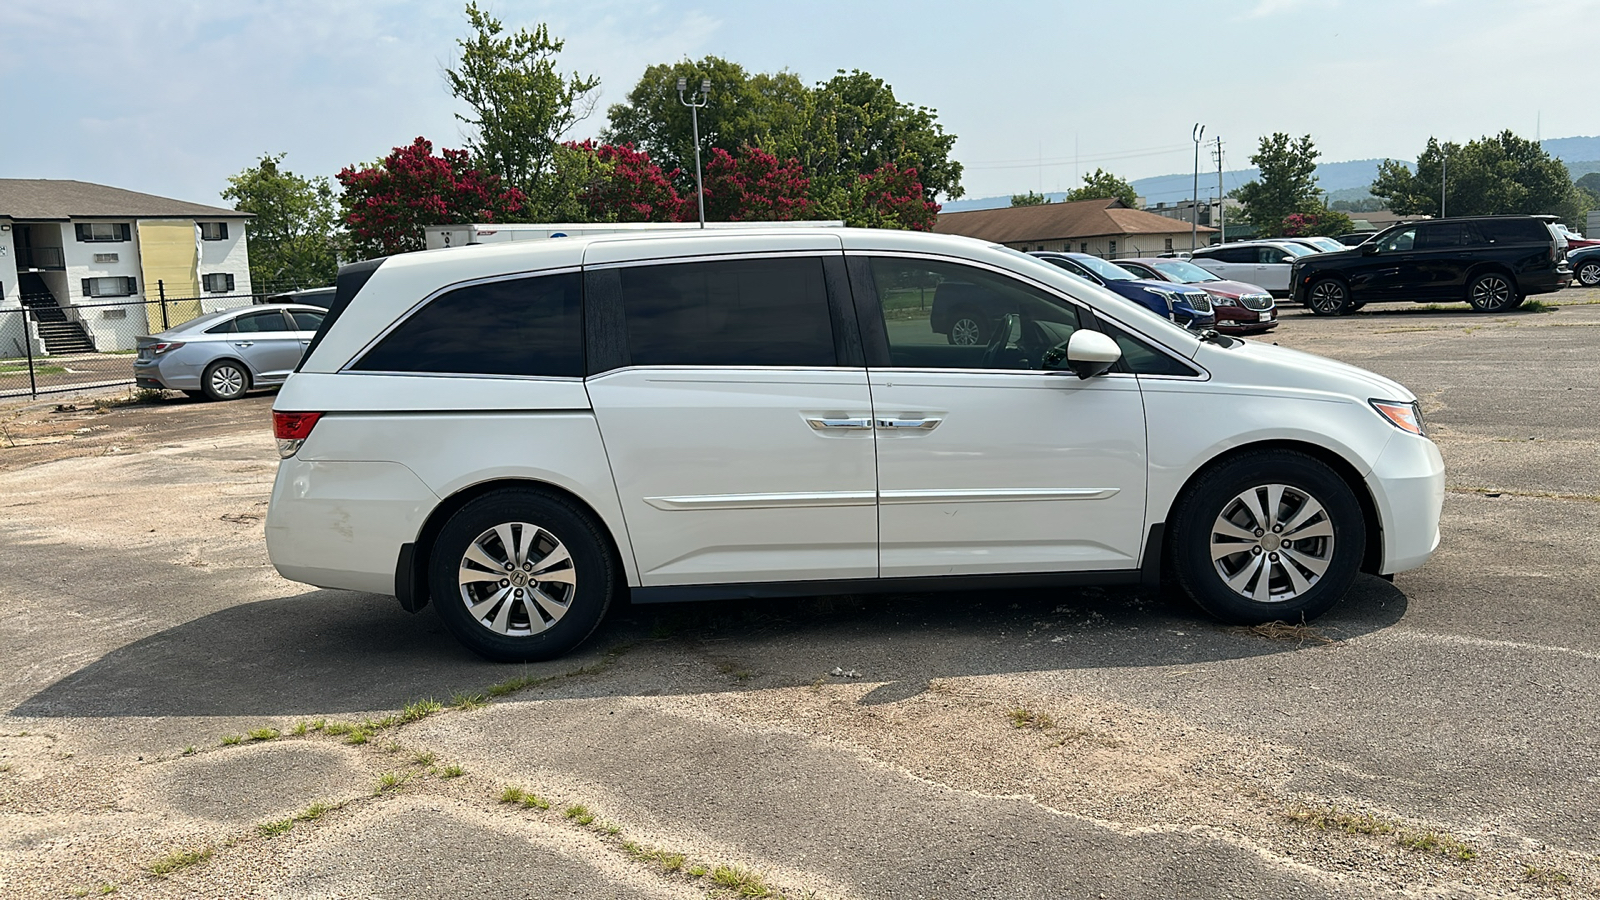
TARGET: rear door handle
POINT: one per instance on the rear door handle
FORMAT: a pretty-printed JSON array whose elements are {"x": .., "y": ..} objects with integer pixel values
[
  {"x": 926, "y": 424},
  {"x": 243, "y": 343},
  {"x": 861, "y": 423}
]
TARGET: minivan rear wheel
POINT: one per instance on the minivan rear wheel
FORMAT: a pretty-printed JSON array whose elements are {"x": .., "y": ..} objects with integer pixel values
[
  {"x": 1492, "y": 292},
  {"x": 1329, "y": 297},
  {"x": 1271, "y": 535},
  {"x": 519, "y": 575}
]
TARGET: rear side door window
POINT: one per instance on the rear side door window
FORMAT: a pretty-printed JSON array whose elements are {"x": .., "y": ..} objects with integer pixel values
[
  {"x": 527, "y": 326},
  {"x": 747, "y": 312}
]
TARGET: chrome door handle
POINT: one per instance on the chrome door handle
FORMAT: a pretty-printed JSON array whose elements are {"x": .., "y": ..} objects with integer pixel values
[
  {"x": 851, "y": 424},
  {"x": 243, "y": 343},
  {"x": 927, "y": 424}
]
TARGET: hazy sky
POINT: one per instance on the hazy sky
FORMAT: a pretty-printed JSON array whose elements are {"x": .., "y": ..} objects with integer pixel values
[{"x": 172, "y": 96}]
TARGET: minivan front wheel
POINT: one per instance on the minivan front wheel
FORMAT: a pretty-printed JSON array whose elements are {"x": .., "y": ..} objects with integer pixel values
[
  {"x": 1329, "y": 297},
  {"x": 1492, "y": 292},
  {"x": 1269, "y": 535},
  {"x": 518, "y": 575}
]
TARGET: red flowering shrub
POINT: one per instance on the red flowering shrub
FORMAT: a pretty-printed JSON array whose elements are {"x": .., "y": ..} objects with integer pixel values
[
  {"x": 753, "y": 187},
  {"x": 387, "y": 205},
  {"x": 890, "y": 197},
  {"x": 624, "y": 185}
]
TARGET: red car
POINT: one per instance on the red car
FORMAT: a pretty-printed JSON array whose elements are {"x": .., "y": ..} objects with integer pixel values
[{"x": 1240, "y": 308}]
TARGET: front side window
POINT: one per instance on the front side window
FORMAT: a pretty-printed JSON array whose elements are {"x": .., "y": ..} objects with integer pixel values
[
  {"x": 517, "y": 326},
  {"x": 746, "y": 312},
  {"x": 950, "y": 316},
  {"x": 1398, "y": 241}
]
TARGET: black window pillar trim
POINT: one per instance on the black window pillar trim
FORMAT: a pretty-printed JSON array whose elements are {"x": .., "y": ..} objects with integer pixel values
[
  {"x": 869, "y": 318},
  {"x": 605, "y": 331},
  {"x": 352, "y": 278}
]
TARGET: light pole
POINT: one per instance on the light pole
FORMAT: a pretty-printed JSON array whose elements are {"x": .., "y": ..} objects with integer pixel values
[
  {"x": 696, "y": 102},
  {"x": 1194, "y": 225},
  {"x": 1444, "y": 171}
]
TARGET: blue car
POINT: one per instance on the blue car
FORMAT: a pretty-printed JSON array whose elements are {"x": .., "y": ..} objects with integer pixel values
[{"x": 1189, "y": 307}]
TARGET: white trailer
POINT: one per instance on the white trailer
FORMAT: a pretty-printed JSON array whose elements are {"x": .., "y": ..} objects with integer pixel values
[{"x": 441, "y": 236}]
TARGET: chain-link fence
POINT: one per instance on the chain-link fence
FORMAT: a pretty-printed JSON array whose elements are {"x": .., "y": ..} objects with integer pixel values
[{"x": 47, "y": 347}]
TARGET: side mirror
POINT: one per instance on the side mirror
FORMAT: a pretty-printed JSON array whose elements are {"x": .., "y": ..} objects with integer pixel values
[
  {"x": 1089, "y": 353},
  {"x": 1287, "y": 260},
  {"x": 1369, "y": 249}
]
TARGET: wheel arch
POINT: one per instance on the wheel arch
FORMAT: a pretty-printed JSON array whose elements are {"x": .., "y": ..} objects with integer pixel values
[
  {"x": 1372, "y": 553},
  {"x": 1480, "y": 269},
  {"x": 411, "y": 570}
]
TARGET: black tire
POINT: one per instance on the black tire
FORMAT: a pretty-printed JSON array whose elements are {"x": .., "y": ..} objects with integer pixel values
[
  {"x": 1493, "y": 292},
  {"x": 1216, "y": 500},
  {"x": 1588, "y": 273},
  {"x": 225, "y": 379},
  {"x": 968, "y": 329},
  {"x": 1328, "y": 297},
  {"x": 569, "y": 605}
]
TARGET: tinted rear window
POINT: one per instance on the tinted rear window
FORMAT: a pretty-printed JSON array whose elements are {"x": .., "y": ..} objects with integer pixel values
[
  {"x": 1507, "y": 231},
  {"x": 755, "y": 312},
  {"x": 521, "y": 326}
]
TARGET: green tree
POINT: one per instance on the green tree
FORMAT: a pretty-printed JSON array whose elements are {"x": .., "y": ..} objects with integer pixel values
[
  {"x": 1494, "y": 175},
  {"x": 1100, "y": 184},
  {"x": 1030, "y": 199},
  {"x": 1590, "y": 183},
  {"x": 1287, "y": 186},
  {"x": 292, "y": 237},
  {"x": 841, "y": 130},
  {"x": 521, "y": 106},
  {"x": 765, "y": 111}
]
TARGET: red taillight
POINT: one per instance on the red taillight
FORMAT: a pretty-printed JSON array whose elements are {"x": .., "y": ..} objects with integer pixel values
[
  {"x": 291, "y": 429},
  {"x": 164, "y": 346}
]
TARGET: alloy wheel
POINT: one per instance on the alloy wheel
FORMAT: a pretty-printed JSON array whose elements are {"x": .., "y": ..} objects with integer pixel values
[
  {"x": 517, "y": 579},
  {"x": 227, "y": 381},
  {"x": 965, "y": 332},
  {"x": 1272, "y": 543},
  {"x": 1589, "y": 274},
  {"x": 1491, "y": 293},
  {"x": 1328, "y": 298}
]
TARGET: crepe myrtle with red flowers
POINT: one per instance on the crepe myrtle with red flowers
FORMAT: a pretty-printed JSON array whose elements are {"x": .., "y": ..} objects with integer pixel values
[
  {"x": 891, "y": 197},
  {"x": 619, "y": 183},
  {"x": 388, "y": 204},
  {"x": 755, "y": 186}
]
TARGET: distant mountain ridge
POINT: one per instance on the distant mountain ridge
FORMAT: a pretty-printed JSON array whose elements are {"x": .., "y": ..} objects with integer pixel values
[{"x": 1341, "y": 179}]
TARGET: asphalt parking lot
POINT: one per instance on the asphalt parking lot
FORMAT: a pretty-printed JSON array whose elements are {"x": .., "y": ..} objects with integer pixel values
[{"x": 176, "y": 720}]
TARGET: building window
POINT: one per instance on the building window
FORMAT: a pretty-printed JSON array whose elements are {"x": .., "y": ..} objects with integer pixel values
[
  {"x": 1083, "y": 247},
  {"x": 217, "y": 283},
  {"x": 1169, "y": 243},
  {"x": 104, "y": 232},
  {"x": 1111, "y": 249},
  {"x": 105, "y": 257},
  {"x": 213, "y": 231},
  {"x": 115, "y": 286}
]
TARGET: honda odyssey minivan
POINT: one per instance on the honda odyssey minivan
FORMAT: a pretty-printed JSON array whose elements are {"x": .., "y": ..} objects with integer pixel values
[{"x": 522, "y": 435}]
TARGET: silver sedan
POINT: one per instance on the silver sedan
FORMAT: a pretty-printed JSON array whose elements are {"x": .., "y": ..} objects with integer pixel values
[{"x": 223, "y": 354}]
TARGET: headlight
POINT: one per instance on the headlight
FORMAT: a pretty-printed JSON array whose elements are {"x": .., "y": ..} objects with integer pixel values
[
  {"x": 1169, "y": 296},
  {"x": 1404, "y": 416},
  {"x": 1219, "y": 300}
]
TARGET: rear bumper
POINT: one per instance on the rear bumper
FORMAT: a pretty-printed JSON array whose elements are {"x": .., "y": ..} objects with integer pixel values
[
  {"x": 1407, "y": 484},
  {"x": 166, "y": 373},
  {"x": 342, "y": 524},
  {"x": 1544, "y": 282}
]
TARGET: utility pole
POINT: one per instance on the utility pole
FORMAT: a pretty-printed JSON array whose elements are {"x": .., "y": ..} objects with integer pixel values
[
  {"x": 1194, "y": 225},
  {"x": 1222, "y": 230},
  {"x": 1444, "y": 167}
]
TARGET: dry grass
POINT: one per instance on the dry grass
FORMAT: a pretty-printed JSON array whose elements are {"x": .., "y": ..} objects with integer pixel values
[
  {"x": 1334, "y": 819},
  {"x": 1283, "y": 631}
]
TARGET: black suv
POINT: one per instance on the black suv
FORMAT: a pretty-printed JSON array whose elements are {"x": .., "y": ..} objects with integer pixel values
[{"x": 1492, "y": 262}]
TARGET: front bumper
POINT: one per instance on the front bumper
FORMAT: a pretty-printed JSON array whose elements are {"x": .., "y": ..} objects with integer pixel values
[
  {"x": 1407, "y": 484},
  {"x": 1238, "y": 320}
]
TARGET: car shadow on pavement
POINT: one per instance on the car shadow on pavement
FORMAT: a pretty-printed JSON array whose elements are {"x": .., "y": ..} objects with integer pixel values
[{"x": 325, "y": 652}]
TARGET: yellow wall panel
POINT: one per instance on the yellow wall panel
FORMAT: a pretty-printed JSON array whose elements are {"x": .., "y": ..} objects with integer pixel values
[{"x": 169, "y": 255}]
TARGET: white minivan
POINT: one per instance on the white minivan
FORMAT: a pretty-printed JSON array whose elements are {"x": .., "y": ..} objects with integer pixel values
[{"x": 524, "y": 434}]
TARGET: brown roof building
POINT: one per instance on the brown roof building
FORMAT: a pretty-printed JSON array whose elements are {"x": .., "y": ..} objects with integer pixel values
[{"x": 1103, "y": 227}]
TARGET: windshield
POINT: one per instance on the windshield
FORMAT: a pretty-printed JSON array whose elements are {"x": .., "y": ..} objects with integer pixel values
[
  {"x": 1185, "y": 272},
  {"x": 1104, "y": 269},
  {"x": 1132, "y": 313}
]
